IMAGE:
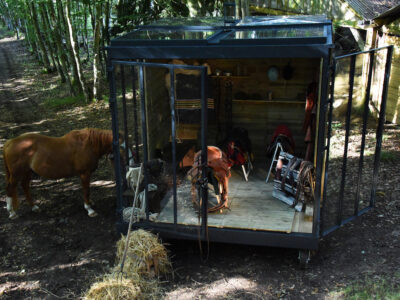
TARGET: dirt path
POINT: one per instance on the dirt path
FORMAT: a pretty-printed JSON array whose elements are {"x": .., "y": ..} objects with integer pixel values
[
  {"x": 58, "y": 252},
  {"x": 13, "y": 93}
]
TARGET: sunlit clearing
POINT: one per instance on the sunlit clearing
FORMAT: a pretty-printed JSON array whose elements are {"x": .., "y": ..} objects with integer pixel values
[
  {"x": 216, "y": 290},
  {"x": 25, "y": 285},
  {"x": 106, "y": 183}
]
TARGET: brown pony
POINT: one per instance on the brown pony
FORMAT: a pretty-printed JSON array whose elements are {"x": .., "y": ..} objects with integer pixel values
[
  {"x": 219, "y": 163},
  {"x": 75, "y": 154}
]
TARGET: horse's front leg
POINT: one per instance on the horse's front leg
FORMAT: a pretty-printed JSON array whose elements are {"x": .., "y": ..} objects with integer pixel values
[{"x": 85, "y": 179}]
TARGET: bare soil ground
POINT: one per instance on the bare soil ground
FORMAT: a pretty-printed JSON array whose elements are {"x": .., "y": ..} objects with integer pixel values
[{"x": 58, "y": 252}]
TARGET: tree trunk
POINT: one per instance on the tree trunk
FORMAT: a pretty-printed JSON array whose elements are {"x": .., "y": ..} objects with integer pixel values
[
  {"x": 242, "y": 8},
  {"x": 75, "y": 50},
  {"x": 96, "y": 53},
  {"x": 70, "y": 54},
  {"x": 85, "y": 32},
  {"x": 60, "y": 49},
  {"x": 42, "y": 47},
  {"x": 49, "y": 40},
  {"x": 106, "y": 30}
]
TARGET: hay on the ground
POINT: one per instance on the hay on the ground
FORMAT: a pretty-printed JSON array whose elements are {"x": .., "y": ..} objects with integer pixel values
[
  {"x": 146, "y": 255},
  {"x": 111, "y": 288}
]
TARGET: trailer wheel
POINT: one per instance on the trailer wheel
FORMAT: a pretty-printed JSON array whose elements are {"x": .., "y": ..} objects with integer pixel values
[{"x": 304, "y": 258}]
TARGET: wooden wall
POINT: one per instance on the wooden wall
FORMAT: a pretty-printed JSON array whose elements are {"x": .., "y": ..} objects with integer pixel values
[
  {"x": 258, "y": 113},
  {"x": 158, "y": 110},
  {"x": 393, "y": 100},
  {"x": 251, "y": 106}
]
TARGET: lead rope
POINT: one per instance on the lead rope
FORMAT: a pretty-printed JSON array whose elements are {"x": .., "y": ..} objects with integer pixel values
[
  {"x": 199, "y": 185},
  {"x": 130, "y": 221}
]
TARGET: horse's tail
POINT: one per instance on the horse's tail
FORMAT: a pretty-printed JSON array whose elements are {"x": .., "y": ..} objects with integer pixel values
[{"x": 6, "y": 166}]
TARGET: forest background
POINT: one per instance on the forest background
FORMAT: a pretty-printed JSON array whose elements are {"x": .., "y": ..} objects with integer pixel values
[{"x": 69, "y": 37}]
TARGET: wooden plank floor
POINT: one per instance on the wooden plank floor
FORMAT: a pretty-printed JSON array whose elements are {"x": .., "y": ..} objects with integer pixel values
[{"x": 251, "y": 207}]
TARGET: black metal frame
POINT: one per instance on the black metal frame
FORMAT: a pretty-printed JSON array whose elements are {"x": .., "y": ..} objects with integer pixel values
[
  {"x": 141, "y": 65},
  {"x": 357, "y": 212},
  {"x": 122, "y": 52},
  {"x": 216, "y": 46}
]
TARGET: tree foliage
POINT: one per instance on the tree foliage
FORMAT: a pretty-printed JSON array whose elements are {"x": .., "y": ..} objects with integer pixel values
[{"x": 68, "y": 36}]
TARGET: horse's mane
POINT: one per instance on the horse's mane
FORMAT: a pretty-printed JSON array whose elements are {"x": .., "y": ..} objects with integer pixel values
[{"x": 101, "y": 139}]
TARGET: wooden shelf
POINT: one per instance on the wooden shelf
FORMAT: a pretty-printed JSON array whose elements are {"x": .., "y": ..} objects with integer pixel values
[
  {"x": 225, "y": 77},
  {"x": 268, "y": 101}
]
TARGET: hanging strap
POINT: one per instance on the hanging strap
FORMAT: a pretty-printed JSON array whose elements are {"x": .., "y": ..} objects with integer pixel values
[{"x": 131, "y": 218}]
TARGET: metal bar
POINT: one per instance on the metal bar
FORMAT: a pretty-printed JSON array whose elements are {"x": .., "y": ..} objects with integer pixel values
[
  {"x": 204, "y": 149},
  {"x": 126, "y": 136},
  {"x": 381, "y": 123},
  {"x": 345, "y": 221},
  {"x": 156, "y": 65},
  {"x": 274, "y": 41},
  {"x": 215, "y": 51},
  {"x": 362, "y": 52},
  {"x": 278, "y": 41},
  {"x": 320, "y": 144},
  {"x": 135, "y": 114},
  {"x": 346, "y": 140},
  {"x": 173, "y": 142},
  {"x": 234, "y": 236},
  {"x": 329, "y": 134},
  {"x": 364, "y": 129},
  {"x": 216, "y": 27},
  {"x": 144, "y": 135},
  {"x": 114, "y": 125}
]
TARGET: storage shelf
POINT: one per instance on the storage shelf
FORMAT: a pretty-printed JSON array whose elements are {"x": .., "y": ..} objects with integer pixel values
[
  {"x": 268, "y": 101},
  {"x": 232, "y": 76}
]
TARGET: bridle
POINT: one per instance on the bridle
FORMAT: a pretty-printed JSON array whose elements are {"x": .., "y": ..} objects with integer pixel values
[{"x": 131, "y": 157}]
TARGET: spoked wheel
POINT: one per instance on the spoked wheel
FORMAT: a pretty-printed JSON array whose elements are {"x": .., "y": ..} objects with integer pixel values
[{"x": 304, "y": 258}]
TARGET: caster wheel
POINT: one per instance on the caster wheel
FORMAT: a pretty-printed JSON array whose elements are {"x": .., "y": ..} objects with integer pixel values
[{"x": 304, "y": 258}]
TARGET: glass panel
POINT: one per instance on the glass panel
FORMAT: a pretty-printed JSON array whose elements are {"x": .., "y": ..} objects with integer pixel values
[
  {"x": 206, "y": 21},
  {"x": 277, "y": 20},
  {"x": 280, "y": 32},
  {"x": 164, "y": 34}
]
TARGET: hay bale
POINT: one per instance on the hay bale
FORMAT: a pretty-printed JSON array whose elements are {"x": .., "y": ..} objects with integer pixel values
[
  {"x": 146, "y": 255},
  {"x": 135, "y": 288},
  {"x": 110, "y": 288}
]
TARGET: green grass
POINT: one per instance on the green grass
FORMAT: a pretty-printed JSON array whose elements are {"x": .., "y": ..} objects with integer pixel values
[
  {"x": 66, "y": 101},
  {"x": 389, "y": 156},
  {"x": 5, "y": 33},
  {"x": 373, "y": 289}
]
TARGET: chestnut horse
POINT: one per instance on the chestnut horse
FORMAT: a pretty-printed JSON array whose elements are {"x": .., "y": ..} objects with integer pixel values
[
  {"x": 75, "y": 154},
  {"x": 219, "y": 163}
]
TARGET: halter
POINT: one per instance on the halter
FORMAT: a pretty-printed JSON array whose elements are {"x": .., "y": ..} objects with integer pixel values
[{"x": 131, "y": 157}]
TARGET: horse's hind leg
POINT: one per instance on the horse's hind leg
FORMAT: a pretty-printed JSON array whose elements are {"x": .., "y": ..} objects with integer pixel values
[
  {"x": 12, "y": 200},
  {"x": 85, "y": 179},
  {"x": 25, "y": 186}
]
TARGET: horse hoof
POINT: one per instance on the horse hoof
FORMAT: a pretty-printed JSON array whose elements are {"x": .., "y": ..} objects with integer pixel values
[
  {"x": 92, "y": 214},
  {"x": 13, "y": 215},
  {"x": 35, "y": 208}
]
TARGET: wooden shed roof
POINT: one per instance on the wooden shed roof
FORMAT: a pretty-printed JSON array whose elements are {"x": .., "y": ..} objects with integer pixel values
[{"x": 371, "y": 9}]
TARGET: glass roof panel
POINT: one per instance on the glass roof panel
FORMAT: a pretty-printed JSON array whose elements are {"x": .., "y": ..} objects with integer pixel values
[
  {"x": 277, "y": 32},
  {"x": 167, "y": 34},
  {"x": 281, "y": 20},
  {"x": 204, "y": 21}
]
